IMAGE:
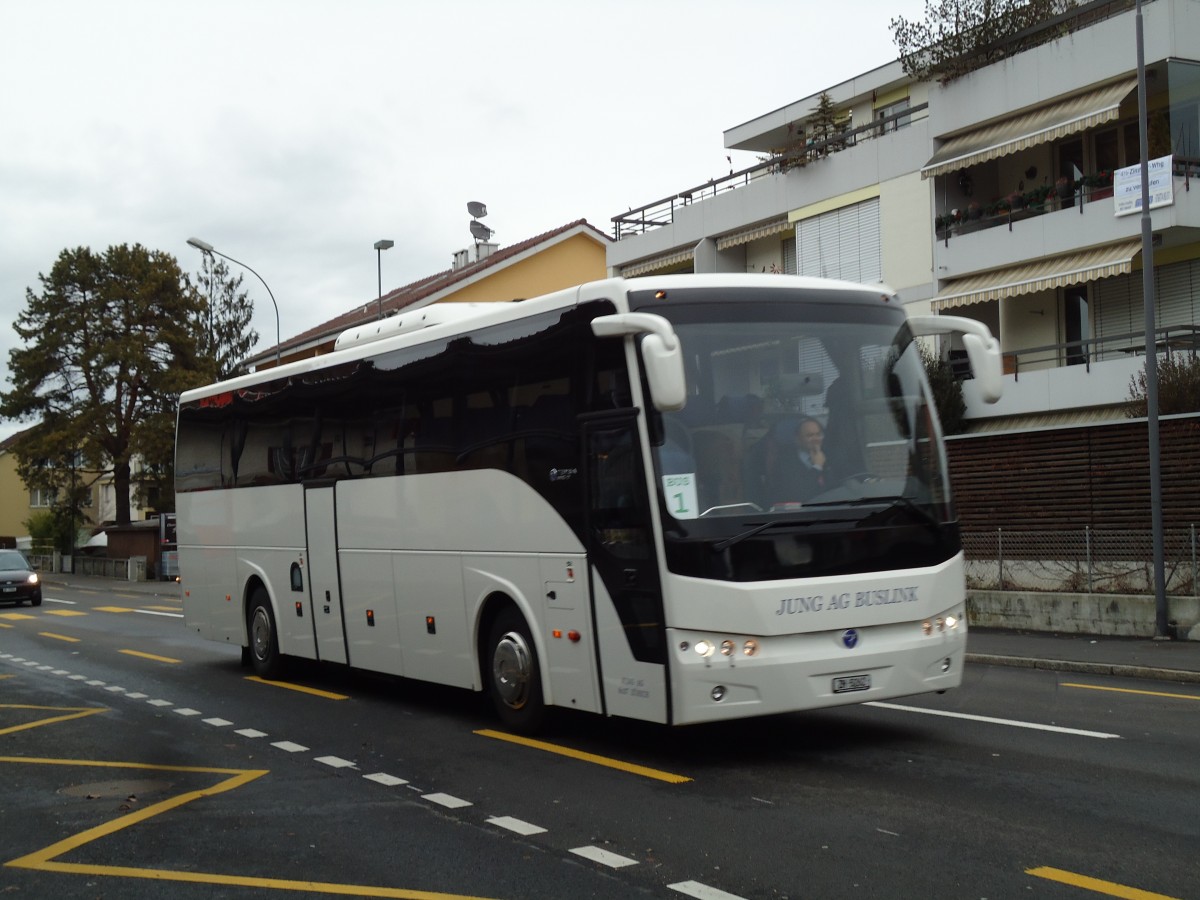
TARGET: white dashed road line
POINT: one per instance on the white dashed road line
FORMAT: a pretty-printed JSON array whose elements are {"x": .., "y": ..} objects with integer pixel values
[
  {"x": 446, "y": 800},
  {"x": 604, "y": 857},
  {"x": 385, "y": 779},
  {"x": 516, "y": 825},
  {"x": 702, "y": 891}
]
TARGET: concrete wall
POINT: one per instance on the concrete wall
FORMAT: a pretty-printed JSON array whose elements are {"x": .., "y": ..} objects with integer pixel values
[{"x": 1112, "y": 615}]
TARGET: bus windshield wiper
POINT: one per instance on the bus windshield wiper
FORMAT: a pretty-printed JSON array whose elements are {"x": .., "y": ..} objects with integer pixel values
[
  {"x": 760, "y": 528},
  {"x": 891, "y": 501}
]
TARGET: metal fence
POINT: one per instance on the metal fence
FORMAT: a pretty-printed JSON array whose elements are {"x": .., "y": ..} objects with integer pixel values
[
  {"x": 1086, "y": 561},
  {"x": 98, "y": 566}
]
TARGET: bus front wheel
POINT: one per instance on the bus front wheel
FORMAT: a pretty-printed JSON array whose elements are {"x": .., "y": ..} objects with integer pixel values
[
  {"x": 515, "y": 677},
  {"x": 264, "y": 641}
]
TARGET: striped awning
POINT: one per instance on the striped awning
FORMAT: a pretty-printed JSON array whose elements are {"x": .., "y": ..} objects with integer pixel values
[
  {"x": 657, "y": 263},
  {"x": 1037, "y": 126},
  {"x": 746, "y": 235},
  {"x": 1042, "y": 275}
]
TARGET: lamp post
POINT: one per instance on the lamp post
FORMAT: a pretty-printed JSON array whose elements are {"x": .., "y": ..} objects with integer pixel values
[
  {"x": 380, "y": 246},
  {"x": 1161, "y": 611},
  {"x": 206, "y": 247}
]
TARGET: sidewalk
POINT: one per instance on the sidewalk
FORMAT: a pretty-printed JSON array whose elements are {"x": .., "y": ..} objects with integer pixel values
[{"x": 1177, "y": 661}]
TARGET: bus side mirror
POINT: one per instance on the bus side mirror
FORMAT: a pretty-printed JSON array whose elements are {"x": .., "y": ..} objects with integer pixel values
[
  {"x": 662, "y": 354},
  {"x": 983, "y": 350}
]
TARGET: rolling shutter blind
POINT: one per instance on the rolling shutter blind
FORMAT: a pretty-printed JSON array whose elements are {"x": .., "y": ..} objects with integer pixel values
[{"x": 843, "y": 243}]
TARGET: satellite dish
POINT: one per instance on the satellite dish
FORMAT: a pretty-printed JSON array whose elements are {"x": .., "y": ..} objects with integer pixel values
[
  {"x": 480, "y": 232},
  {"x": 477, "y": 209}
]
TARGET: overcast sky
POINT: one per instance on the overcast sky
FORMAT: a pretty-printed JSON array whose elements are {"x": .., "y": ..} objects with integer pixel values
[{"x": 292, "y": 135}]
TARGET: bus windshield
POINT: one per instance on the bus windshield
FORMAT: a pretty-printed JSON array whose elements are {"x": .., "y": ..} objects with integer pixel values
[{"x": 802, "y": 420}]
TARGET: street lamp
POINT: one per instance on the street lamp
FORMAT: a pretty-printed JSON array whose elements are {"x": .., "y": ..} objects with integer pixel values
[
  {"x": 380, "y": 246},
  {"x": 206, "y": 247}
]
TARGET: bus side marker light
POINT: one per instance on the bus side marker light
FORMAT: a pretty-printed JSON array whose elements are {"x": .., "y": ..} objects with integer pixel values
[
  {"x": 573, "y": 637},
  {"x": 556, "y": 633},
  {"x": 299, "y": 610},
  {"x": 228, "y": 598},
  {"x": 430, "y": 625},
  {"x": 370, "y": 618}
]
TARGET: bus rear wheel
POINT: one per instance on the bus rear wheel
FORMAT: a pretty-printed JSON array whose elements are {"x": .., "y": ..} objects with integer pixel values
[
  {"x": 264, "y": 640},
  {"x": 515, "y": 678}
]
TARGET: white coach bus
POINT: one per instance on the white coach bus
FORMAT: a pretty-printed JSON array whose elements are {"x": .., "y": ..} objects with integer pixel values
[{"x": 590, "y": 500}]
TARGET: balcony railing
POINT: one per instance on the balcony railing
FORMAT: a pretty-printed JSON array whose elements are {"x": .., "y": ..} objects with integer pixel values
[
  {"x": 1169, "y": 338},
  {"x": 662, "y": 212}
]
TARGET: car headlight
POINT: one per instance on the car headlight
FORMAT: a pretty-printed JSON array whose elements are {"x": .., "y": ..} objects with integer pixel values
[{"x": 33, "y": 578}]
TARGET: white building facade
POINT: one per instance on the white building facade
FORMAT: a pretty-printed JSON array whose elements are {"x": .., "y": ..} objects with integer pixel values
[{"x": 998, "y": 195}]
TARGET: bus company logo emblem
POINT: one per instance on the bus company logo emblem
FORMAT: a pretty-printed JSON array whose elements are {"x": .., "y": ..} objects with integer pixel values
[
  {"x": 850, "y": 638},
  {"x": 563, "y": 474}
]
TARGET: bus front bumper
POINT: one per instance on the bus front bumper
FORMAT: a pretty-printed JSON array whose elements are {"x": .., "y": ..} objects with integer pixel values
[{"x": 716, "y": 677}]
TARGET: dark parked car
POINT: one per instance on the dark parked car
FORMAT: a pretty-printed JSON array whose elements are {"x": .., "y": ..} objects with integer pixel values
[{"x": 18, "y": 581}]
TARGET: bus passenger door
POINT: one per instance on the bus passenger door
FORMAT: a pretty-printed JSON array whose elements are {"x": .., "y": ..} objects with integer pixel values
[
  {"x": 626, "y": 591},
  {"x": 324, "y": 585}
]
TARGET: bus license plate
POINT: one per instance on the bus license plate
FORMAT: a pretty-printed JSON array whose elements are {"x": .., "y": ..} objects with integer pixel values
[{"x": 847, "y": 683}]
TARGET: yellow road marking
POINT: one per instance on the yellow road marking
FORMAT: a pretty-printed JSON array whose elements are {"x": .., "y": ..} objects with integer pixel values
[
  {"x": 44, "y": 860},
  {"x": 328, "y": 695},
  {"x": 139, "y": 653},
  {"x": 5, "y": 625},
  {"x": 66, "y": 613},
  {"x": 16, "y": 617},
  {"x": 58, "y": 637},
  {"x": 68, "y": 713},
  {"x": 1095, "y": 884},
  {"x": 175, "y": 608},
  {"x": 632, "y": 768},
  {"x": 1097, "y": 687}
]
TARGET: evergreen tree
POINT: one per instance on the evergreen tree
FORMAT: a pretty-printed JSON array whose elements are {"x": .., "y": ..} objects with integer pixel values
[
  {"x": 823, "y": 124},
  {"x": 222, "y": 327},
  {"x": 106, "y": 352}
]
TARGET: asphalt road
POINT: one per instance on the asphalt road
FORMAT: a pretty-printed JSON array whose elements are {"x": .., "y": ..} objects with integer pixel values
[{"x": 136, "y": 760}]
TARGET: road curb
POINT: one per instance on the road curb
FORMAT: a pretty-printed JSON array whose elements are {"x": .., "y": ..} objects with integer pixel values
[{"x": 1087, "y": 668}]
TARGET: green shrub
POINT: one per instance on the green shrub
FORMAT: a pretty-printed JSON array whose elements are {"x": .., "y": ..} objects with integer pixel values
[
  {"x": 947, "y": 392},
  {"x": 1178, "y": 386}
]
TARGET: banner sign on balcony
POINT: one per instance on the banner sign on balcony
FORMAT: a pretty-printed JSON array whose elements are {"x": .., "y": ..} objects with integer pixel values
[{"x": 1127, "y": 187}]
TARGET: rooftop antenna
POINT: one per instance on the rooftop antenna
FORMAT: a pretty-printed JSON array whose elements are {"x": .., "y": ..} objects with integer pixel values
[{"x": 479, "y": 231}]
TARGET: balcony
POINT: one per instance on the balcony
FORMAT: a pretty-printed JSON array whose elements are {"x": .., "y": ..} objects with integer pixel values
[
  {"x": 1074, "y": 375},
  {"x": 662, "y": 212}
]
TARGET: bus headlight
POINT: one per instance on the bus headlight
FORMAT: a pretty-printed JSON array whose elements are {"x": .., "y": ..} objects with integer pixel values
[
  {"x": 705, "y": 648},
  {"x": 750, "y": 648},
  {"x": 727, "y": 647}
]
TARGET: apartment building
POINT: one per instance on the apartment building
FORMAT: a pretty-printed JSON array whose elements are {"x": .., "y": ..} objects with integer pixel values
[{"x": 997, "y": 195}]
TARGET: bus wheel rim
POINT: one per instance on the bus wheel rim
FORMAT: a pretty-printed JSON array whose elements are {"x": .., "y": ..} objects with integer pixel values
[
  {"x": 512, "y": 666},
  {"x": 262, "y": 633}
]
